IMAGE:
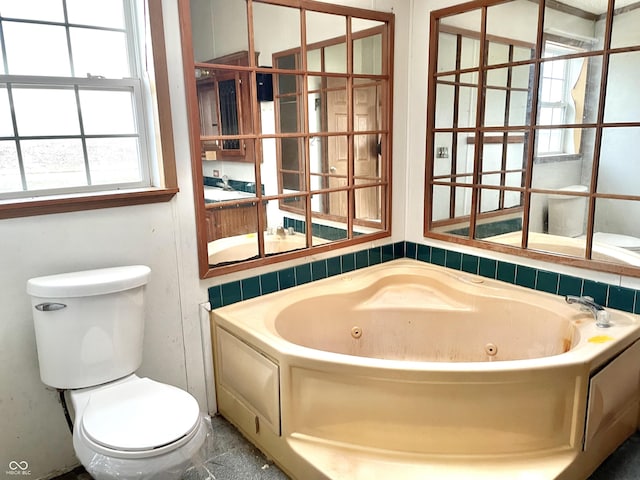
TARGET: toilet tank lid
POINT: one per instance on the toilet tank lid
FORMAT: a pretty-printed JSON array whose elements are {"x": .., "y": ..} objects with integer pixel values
[
  {"x": 89, "y": 282},
  {"x": 573, "y": 188}
]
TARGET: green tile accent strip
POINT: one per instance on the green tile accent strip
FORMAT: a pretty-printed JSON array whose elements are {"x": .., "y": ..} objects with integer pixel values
[
  {"x": 526, "y": 276},
  {"x": 611, "y": 296},
  {"x": 595, "y": 290},
  {"x": 547, "y": 281}
]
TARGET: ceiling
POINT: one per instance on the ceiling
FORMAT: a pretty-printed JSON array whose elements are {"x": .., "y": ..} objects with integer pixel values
[{"x": 596, "y": 6}]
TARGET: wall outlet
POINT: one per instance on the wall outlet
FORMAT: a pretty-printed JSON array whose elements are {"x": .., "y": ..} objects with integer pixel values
[
  {"x": 216, "y": 173},
  {"x": 442, "y": 152}
]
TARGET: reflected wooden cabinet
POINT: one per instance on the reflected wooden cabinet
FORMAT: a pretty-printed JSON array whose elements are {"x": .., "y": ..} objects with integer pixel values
[
  {"x": 224, "y": 103},
  {"x": 231, "y": 220}
]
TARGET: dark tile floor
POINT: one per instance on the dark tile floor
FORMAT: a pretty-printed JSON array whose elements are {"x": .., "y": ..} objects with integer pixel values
[{"x": 231, "y": 457}]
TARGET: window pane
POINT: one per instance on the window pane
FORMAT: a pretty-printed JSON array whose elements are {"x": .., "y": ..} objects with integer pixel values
[
  {"x": 366, "y": 104},
  {"x": 2, "y": 71},
  {"x": 619, "y": 168},
  {"x": 322, "y": 27},
  {"x": 9, "y": 168},
  {"x": 501, "y": 24},
  {"x": 6, "y": 127},
  {"x": 99, "y": 52},
  {"x": 368, "y": 204},
  {"x": 219, "y": 28},
  {"x": 334, "y": 204},
  {"x": 107, "y": 112},
  {"x": 441, "y": 202},
  {"x": 467, "y": 107},
  {"x": 495, "y": 107},
  {"x": 289, "y": 103},
  {"x": 232, "y": 232},
  {"x": 365, "y": 150},
  {"x": 48, "y": 10},
  {"x": 48, "y": 56},
  {"x": 367, "y": 55},
  {"x": 470, "y": 21},
  {"x": 53, "y": 163},
  {"x": 102, "y": 14},
  {"x": 445, "y": 105},
  {"x": 113, "y": 160},
  {"x": 41, "y": 111},
  {"x": 613, "y": 216},
  {"x": 265, "y": 32},
  {"x": 625, "y": 26},
  {"x": 447, "y": 45},
  {"x": 556, "y": 231},
  {"x": 622, "y": 103}
]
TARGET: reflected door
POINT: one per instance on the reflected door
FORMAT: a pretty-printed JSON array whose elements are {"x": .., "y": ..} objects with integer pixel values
[
  {"x": 365, "y": 149},
  {"x": 337, "y": 147},
  {"x": 366, "y": 105}
]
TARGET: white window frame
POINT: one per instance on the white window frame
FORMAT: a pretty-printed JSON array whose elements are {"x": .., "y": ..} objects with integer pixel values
[
  {"x": 158, "y": 182},
  {"x": 552, "y": 50}
]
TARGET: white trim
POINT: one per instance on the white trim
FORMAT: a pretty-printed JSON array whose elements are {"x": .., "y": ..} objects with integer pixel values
[{"x": 207, "y": 357}]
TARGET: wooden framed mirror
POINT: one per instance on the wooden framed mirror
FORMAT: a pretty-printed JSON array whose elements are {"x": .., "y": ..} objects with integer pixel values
[
  {"x": 290, "y": 127},
  {"x": 531, "y": 119}
]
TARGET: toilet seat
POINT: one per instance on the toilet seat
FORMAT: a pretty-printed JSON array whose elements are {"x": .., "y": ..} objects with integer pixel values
[
  {"x": 622, "y": 241},
  {"x": 139, "y": 418}
]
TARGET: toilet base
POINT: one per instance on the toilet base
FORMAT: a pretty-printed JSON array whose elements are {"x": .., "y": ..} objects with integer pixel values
[{"x": 168, "y": 466}]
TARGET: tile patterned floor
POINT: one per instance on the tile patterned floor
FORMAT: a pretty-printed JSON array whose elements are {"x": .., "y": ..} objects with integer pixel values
[{"x": 233, "y": 458}]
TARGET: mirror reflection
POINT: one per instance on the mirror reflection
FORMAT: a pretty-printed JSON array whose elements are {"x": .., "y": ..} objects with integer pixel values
[
  {"x": 544, "y": 168},
  {"x": 292, "y": 138}
]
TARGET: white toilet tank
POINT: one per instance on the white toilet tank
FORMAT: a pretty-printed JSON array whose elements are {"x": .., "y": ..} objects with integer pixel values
[{"x": 89, "y": 325}]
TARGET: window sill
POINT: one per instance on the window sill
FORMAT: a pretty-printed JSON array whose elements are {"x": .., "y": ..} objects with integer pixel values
[
  {"x": 27, "y": 207},
  {"x": 557, "y": 157}
]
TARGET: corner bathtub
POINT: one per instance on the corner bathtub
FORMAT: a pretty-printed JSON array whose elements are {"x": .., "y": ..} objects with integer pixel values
[{"x": 411, "y": 371}]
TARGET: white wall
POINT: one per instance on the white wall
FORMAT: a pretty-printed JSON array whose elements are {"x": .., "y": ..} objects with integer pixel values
[{"x": 162, "y": 236}]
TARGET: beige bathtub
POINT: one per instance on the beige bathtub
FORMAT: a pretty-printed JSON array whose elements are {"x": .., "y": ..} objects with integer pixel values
[{"x": 411, "y": 371}]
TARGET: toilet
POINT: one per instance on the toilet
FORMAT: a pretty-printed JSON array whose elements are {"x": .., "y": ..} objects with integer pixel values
[
  {"x": 567, "y": 215},
  {"x": 89, "y": 329}
]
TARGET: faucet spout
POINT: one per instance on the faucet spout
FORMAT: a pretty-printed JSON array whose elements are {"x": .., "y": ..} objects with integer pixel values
[
  {"x": 225, "y": 183},
  {"x": 600, "y": 315}
]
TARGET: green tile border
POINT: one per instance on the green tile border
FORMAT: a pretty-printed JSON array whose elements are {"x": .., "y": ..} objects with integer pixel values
[{"x": 613, "y": 296}]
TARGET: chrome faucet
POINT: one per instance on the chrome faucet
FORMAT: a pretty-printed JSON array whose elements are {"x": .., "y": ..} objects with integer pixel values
[
  {"x": 225, "y": 183},
  {"x": 600, "y": 315}
]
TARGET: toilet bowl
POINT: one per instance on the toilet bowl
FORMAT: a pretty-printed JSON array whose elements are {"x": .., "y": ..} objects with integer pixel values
[
  {"x": 622, "y": 241},
  {"x": 157, "y": 432},
  {"x": 89, "y": 330}
]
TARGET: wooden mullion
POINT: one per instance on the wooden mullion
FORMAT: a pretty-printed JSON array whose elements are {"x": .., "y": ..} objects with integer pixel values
[
  {"x": 434, "y": 26},
  {"x": 477, "y": 154},
  {"x": 351, "y": 197},
  {"x": 454, "y": 135},
  {"x": 257, "y": 145},
  {"x": 531, "y": 137},
  {"x": 308, "y": 217},
  {"x": 599, "y": 125},
  {"x": 505, "y": 135}
]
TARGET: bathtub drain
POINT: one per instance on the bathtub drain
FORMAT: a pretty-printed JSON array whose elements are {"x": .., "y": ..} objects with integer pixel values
[
  {"x": 356, "y": 332},
  {"x": 490, "y": 349}
]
